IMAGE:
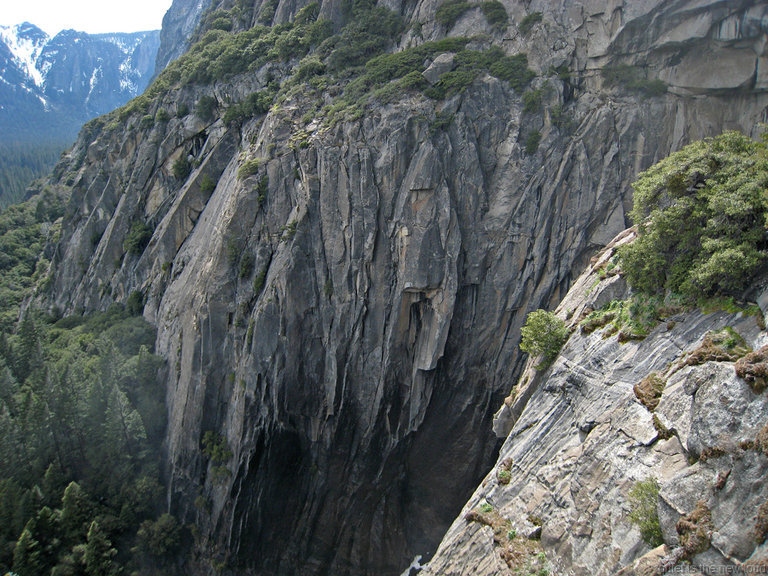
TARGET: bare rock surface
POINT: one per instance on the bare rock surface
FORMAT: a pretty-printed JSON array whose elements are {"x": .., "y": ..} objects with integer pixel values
[{"x": 583, "y": 440}]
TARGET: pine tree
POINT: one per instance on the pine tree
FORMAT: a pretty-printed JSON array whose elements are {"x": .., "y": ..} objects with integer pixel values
[
  {"x": 44, "y": 529},
  {"x": 75, "y": 513},
  {"x": 26, "y": 556},
  {"x": 29, "y": 353},
  {"x": 99, "y": 553}
]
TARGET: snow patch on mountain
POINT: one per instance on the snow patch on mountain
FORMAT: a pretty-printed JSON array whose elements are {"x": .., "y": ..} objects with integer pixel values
[
  {"x": 127, "y": 81},
  {"x": 26, "y": 48},
  {"x": 127, "y": 43}
]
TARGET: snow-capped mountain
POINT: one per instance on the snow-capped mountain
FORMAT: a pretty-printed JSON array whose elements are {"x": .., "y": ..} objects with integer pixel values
[
  {"x": 20, "y": 47},
  {"x": 53, "y": 85}
]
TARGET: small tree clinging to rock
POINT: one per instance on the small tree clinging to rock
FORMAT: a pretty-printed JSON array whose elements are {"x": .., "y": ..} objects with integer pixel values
[
  {"x": 543, "y": 334},
  {"x": 643, "y": 497}
]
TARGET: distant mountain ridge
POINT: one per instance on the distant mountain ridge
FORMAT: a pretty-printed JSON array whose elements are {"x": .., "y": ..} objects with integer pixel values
[
  {"x": 61, "y": 82},
  {"x": 50, "y": 86}
]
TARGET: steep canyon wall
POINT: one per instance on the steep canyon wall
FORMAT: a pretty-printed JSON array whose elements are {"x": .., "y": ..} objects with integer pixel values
[{"x": 345, "y": 315}]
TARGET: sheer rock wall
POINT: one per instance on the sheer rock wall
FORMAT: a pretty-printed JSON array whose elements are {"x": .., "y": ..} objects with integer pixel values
[{"x": 347, "y": 317}]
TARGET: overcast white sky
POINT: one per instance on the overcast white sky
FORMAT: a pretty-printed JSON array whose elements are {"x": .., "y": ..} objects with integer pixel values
[{"x": 93, "y": 16}]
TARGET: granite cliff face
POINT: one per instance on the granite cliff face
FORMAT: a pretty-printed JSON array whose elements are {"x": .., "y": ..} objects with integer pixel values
[
  {"x": 579, "y": 438},
  {"x": 340, "y": 304},
  {"x": 178, "y": 25}
]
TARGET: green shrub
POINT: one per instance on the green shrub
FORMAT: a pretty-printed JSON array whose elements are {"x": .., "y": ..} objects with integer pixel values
[
  {"x": 532, "y": 101},
  {"x": 317, "y": 32},
  {"x": 634, "y": 79},
  {"x": 135, "y": 303},
  {"x": 543, "y": 334},
  {"x": 561, "y": 119},
  {"x": 513, "y": 69},
  {"x": 147, "y": 122},
  {"x": 413, "y": 81},
  {"x": 385, "y": 67},
  {"x": 532, "y": 142},
  {"x": 255, "y": 104},
  {"x": 267, "y": 12},
  {"x": 701, "y": 217},
  {"x": 643, "y": 498},
  {"x": 495, "y": 13},
  {"x": 527, "y": 23},
  {"x": 369, "y": 33},
  {"x": 261, "y": 188},
  {"x": 470, "y": 63},
  {"x": 181, "y": 168},
  {"x": 441, "y": 122},
  {"x": 450, "y": 11},
  {"x": 308, "y": 14},
  {"x": 382, "y": 72},
  {"x": 207, "y": 184},
  {"x": 233, "y": 250},
  {"x": 633, "y": 318},
  {"x": 562, "y": 72},
  {"x": 451, "y": 83},
  {"x": 290, "y": 45},
  {"x": 222, "y": 23},
  {"x": 206, "y": 108},
  {"x": 288, "y": 231},
  {"x": 216, "y": 448},
  {"x": 160, "y": 538},
  {"x": 162, "y": 116},
  {"x": 308, "y": 68},
  {"x": 137, "y": 238},
  {"x": 214, "y": 20},
  {"x": 250, "y": 167},
  {"x": 246, "y": 265},
  {"x": 258, "y": 282}
]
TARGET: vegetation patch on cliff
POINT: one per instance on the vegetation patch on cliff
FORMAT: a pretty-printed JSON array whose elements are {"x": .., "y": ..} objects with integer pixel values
[
  {"x": 701, "y": 217},
  {"x": 753, "y": 368},
  {"x": 348, "y": 67},
  {"x": 504, "y": 471},
  {"x": 631, "y": 319},
  {"x": 24, "y": 231},
  {"x": 695, "y": 530},
  {"x": 450, "y": 11},
  {"x": 529, "y": 21},
  {"x": 543, "y": 335},
  {"x": 724, "y": 345},
  {"x": 649, "y": 390},
  {"x": 633, "y": 78},
  {"x": 524, "y": 556},
  {"x": 643, "y": 498}
]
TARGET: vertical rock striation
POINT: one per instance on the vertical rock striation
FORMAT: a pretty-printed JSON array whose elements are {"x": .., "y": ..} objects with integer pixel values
[{"x": 179, "y": 23}]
